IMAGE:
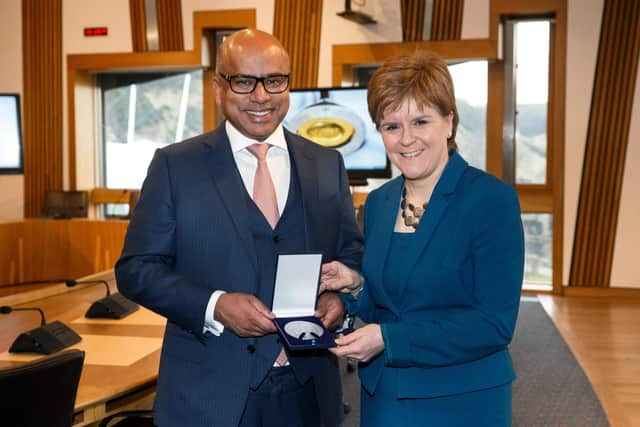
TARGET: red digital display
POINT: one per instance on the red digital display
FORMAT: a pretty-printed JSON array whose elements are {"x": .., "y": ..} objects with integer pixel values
[{"x": 96, "y": 31}]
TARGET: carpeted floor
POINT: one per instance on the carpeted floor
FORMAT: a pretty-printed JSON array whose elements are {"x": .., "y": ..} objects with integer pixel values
[{"x": 551, "y": 389}]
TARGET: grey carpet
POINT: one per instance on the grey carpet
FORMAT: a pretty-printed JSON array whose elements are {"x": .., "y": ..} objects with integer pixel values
[{"x": 551, "y": 389}]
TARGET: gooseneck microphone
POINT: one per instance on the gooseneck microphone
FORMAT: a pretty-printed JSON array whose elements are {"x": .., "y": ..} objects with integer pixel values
[
  {"x": 113, "y": 306},
  {"x": 5, "y": 309},
  {"x": 72, "y": 283},
  {"x": 47, "y": 339}
]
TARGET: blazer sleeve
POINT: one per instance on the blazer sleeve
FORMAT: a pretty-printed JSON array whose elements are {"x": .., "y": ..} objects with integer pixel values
[
  {"x": 144, "y": 272},
  {"x": 460, "y": 334}
]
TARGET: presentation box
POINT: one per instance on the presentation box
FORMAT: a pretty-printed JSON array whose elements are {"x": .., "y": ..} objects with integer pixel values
[{"x": 294, "y": 302}]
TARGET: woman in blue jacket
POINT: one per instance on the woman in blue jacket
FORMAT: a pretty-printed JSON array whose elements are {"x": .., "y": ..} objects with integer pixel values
[{"x": 442, "y": 268}]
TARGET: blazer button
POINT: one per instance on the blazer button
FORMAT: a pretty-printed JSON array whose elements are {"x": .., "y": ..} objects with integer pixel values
[
  {"x": 251, "y": 349},
  {"x": 276, "y": 239}
]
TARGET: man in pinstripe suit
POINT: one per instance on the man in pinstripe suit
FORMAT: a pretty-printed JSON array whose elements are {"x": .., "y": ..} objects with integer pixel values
[{"x": 200, "y": 250}]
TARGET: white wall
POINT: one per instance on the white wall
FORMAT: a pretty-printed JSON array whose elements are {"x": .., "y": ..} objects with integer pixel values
[
  {"x": 475, "y": 19},
  {"x": 11, "y": 186},
  {"x": 626, "y": 268},
  {"x": 583, "y": 17},
  {"x": 337, "y": 30},
  {"x": 264, "y": 14},
  {"x": 77, "y": 15}
]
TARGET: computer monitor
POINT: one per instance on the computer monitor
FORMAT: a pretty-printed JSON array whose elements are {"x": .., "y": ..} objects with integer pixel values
[
  {"x": 10, "y": 134},
  {"x": 338, "y": 118},
  {"x": 66, "y": 204}
]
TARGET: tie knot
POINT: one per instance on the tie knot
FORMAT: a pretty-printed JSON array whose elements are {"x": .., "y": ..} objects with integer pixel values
[{"x": 259, "y": 150}]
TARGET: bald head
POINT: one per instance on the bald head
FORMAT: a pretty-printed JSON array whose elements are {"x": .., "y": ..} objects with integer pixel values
[
  {"x": 249, "y": 43},
  {"x": 246, "y": 58}
]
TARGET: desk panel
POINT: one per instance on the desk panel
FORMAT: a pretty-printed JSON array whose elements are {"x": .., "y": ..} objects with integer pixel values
[{"x": 47, "y": 249}]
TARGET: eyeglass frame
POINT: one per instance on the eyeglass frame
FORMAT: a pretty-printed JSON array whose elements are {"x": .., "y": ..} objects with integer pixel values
[{"x": 261, "y": 80}]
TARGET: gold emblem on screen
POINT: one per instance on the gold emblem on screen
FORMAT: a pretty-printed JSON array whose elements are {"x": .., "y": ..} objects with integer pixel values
[{"x": 328, "y": 132}]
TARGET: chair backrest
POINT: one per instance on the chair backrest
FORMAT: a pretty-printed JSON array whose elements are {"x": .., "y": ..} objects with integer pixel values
[
  {"x": 114, "y": 201},
  {"x": 66, "y": 204},
  {"x": 134, "y": 196},
  {"x": 41, "y": 393}
]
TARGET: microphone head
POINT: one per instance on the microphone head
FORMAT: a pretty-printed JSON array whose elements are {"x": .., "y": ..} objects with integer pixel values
[
  {"x": 70, "y": 283},
  {"x": 5, "y": 309}
]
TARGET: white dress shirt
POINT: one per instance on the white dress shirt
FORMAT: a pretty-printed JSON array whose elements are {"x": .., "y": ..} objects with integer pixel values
[{"x": 280, "y": 169}]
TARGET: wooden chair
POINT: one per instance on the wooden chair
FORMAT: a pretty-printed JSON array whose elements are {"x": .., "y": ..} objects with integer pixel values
[{"x": 124, "y": 196}]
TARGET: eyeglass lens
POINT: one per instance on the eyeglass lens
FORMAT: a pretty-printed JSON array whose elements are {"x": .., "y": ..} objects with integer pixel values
[{"x": 247, "y": 84}]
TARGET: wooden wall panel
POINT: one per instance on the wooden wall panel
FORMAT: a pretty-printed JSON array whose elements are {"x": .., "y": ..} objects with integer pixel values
[
  {"x": 58, "y": 249},
  {"x": 412, "y": 12},
  {"x": 42, "y": 97},
  {"x": 297, "y": 26},
  {"x": 138, "y": 26},
  {"x": 606, "y": 145},
  {"x": 170, "y": 33},
  {"x": 446, "y": 21}
]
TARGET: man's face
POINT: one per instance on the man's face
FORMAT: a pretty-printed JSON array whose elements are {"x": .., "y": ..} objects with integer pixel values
[{"x": 257, "y": 114}]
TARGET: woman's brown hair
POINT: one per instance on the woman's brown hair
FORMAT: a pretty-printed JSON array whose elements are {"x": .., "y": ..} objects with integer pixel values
[{"x": 422, "y": 76}]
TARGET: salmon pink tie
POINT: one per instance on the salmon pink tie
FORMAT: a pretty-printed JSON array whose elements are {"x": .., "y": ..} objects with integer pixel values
[
  {"x": 264, "y": 192},
  {"x": 264, "y": 196}
]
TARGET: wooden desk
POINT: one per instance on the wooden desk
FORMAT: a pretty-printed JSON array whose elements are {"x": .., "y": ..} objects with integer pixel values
[
  {"x": 105, "y": 387},
  {"x": 46, "y": 249}
]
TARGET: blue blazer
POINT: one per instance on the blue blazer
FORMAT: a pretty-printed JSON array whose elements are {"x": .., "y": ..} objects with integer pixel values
[
  {"x": 189, "y": 236},
  {"x": 447, "y": 332}
]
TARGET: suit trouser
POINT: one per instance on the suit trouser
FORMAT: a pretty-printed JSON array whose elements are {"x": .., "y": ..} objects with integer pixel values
[{"x": 281, "y": 401}]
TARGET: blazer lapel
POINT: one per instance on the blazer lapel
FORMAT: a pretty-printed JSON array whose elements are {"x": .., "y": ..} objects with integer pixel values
[
  {"x": 437, "y": 207},
  {"x": 307, "y": 176},
  {"x": 382, "y": 232},
  {"x": 226, "y": 178}
]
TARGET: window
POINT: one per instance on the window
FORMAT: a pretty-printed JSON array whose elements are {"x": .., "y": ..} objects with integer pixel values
[
  {"x": 527, "y": 142},
  {"x": 531, "y": 95},
  {"x": 144, "y": 112},
  {"x": 538, "y": 237},
  {"x": 470, "y": 84}
]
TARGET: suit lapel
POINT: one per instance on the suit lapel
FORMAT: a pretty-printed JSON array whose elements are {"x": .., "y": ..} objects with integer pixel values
[
  {"x": 437, "y": 207},
  {"x": 382, "y": 232},
  {"x": 307, "y": 177},
  {"x": 226, "y": 178}
]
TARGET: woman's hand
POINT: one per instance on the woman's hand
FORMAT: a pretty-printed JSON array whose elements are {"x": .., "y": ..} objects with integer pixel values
[
  {"x": 330, "y": 310},
  {"x": 338, "y": 277},
  {"x": 362, "y": 344}
]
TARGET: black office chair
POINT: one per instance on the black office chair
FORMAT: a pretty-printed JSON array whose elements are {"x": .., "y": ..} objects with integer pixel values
[
  {"x": 41, "y": 393},
  {"x": 140, "y": 418}
]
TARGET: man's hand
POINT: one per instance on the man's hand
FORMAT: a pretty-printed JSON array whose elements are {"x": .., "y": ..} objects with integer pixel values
[
  {"x": 244, "y": 314},
  {"x": 362, "y": 344},
  {"x": 330, "y": 310},
  {"x": 338, "y": 277}
]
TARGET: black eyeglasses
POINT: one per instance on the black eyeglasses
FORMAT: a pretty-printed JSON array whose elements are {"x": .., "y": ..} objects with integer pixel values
[{"x": 241, "y": 84}]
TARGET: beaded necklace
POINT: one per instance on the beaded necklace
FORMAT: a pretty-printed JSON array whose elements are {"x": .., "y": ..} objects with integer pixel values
[{"x": 411, "y": 213}]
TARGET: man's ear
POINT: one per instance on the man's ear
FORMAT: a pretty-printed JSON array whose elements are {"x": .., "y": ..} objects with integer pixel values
[{"x": 217, "y": 88}]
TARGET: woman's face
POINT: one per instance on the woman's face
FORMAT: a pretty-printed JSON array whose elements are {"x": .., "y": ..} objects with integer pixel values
[{"x": 416, "y": 139}]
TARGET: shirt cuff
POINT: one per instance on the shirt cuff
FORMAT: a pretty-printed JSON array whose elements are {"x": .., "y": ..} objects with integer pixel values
[{"x": 210, "y": 324}]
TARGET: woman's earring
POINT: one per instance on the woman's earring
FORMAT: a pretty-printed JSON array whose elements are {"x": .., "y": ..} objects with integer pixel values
[{"x": 450, "y": 135}]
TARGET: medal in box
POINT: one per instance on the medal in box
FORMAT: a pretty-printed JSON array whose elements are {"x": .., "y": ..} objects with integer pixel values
[{"x": 294, "y": 302}]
